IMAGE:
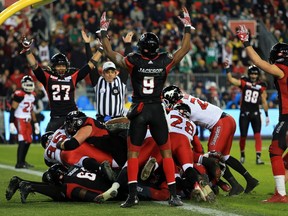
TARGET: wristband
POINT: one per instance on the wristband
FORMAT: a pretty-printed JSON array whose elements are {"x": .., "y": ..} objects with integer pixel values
[
  {"x": 246, "y": 43},
  {"x": 28, "y": 52},
  {"x": 228, "y": 70},
  {"x": 95, "y": 63},
  {"x": 187, "y": 29},
  {"x": 104, "y": 33},
  {"x": 266, "y": 113},
  {"x": 100, "y": 49}
]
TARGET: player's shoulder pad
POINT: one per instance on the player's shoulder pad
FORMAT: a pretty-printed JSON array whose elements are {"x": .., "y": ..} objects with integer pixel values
[
  {"x": 19, "y": 93},
  {"x": 264, "y": 84}
]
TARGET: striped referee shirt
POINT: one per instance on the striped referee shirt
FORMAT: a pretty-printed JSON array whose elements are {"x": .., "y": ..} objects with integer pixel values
[{"x": 110, "y": 97}]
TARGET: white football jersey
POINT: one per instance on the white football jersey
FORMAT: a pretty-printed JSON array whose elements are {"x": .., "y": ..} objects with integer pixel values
[
  {"x": 52, "y": 154},
  {"x": 180, "y": 124},
  {"x": 203, "y": 113},
  {"x": 25, "y": 107}
]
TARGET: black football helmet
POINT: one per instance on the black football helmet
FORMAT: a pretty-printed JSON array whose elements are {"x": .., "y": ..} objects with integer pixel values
[
  {"x": 279, "y": 54},
  {"x": 148, "y": 44},
  {"x": 27, "y": 84},
  {"x": 53, "y": 174},
  {"x": 253, "y": 70},
  {"x": 45, "y": 138},
  {"x": 73, "y": 122},
  {"x": 183, "y": 109},
  {"x": 59, "y": 59},
  {"x": 171, "y": 95}
]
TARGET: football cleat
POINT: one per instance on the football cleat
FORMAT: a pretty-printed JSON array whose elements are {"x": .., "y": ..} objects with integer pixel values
[
  {"x": 251, "y": 184},
  {"x": 107, "y": 171},
  {"x": 29, "y": 165},
  {"x": 277, "y": 198},
  {"x": 209, "y": 194},
  {"x": 242, "y": 160},
  {"x": 259, "y": 161},
  {"x": 25, "y": 188},
  {"x": 175, "y": 201},
  {"x": 147, "y": 169},
  {"x": 12, "y": 187},
  {"x": 130, "y": 201},
  {"x": 197, "y": 193},
  {"x": 236, "y": 190},
  {"x": 109, "y": 194},
  {"x": 21, "y": 166}
]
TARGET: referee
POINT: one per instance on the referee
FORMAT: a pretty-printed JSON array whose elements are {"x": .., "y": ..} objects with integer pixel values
[
  {"x": 110, "y": 85},
  {"x": 110, "y": 93}
]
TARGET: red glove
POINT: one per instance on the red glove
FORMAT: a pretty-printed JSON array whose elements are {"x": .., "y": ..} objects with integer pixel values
[
  {"x": 104, "y": 23},
  {"x": 242, "y": 33},
  {"x": 26, "y": 44},
  {"x": 186, "y": 19}
]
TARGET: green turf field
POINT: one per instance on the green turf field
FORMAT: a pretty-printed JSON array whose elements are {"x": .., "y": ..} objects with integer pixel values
[{"x": 244, "y": 204}]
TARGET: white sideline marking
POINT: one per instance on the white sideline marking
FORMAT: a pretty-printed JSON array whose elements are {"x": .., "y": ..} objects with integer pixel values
[
  {"x": 189, "y": 207},
  {"x": 206, "y": 211},
  {"x": 33, "y": 172}
]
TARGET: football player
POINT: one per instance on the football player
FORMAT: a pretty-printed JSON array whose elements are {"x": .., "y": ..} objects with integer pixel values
[
  {"x": 21, "y": 117},
  {"x": 222, "y": 127},
  {"x": 253, "y": 92}
]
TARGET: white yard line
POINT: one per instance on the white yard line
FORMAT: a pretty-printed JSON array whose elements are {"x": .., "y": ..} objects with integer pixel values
[
  {"x": 189, "y": 207},
  {"x": 195, "y": 208},
  {"x": 32, "y": 172}
]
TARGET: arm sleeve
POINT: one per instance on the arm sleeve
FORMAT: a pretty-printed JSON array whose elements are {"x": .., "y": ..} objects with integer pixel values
[
  {"x": 40, "y": 75},
  {"x": 12, "y": 117},
  {"x": 88, "y": 51},
  {"x": 94, "y": 76},
  {"x": 123, "y": 75},
  {"x": 83, "y": 72}
]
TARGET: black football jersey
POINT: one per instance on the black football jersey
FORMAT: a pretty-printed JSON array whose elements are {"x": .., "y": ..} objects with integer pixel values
[
  {"x": 251, "y": 94},
  {"x": 61, "y": 91},
  {"x": 148, "y": 75},
  {"x": 80, "y": 177}
]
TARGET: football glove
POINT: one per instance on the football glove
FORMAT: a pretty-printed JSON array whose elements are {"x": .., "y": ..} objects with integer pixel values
[
  {"x": 36, "y": 128},
  {"x": 242, "y": 33},
  {"x": 267, "y": 121},
  {"x": 13, "y": 129},
  {"x": 186, "y": 18},
  {"x": 26, "y": 44},
  {"x": 104, "y": 23}
]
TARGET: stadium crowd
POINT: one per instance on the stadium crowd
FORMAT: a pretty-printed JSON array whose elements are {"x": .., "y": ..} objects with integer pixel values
[{"x": 58, "y": 28}]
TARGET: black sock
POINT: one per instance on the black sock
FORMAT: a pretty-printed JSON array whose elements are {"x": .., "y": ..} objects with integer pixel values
[
  {"x": 26, "y": 148},
  {"x": 49, "y": 190},
  {"x": 172, "y": 189},
  {"x": 236, "y": 165},
  {"x": 20, "y": 152},
  {"x": 191, "y": 176},
  {"x": 132, "y": 189},
  {"x": 230, "y": 178}
]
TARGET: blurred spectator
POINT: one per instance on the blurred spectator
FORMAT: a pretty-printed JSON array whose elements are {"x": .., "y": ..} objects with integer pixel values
[
  {"x": 61, "y": 8},
  {"x": 136, "y": 14},
  {"x": 39, "y": 26},
  {"x": 43, "y": 51},
  {"x": 16, "y": 77}
]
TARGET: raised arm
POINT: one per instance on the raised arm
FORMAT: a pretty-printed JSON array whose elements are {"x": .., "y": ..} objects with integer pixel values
[
  {"x": 265, "y": 106},
  {"x": 185, "y": 46},
  {"x": 230, "y": 78},
  {"x": 26, "y": 45},
  {"x": 272, "y": 69},
  {"x": 115, "y": 57}
]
